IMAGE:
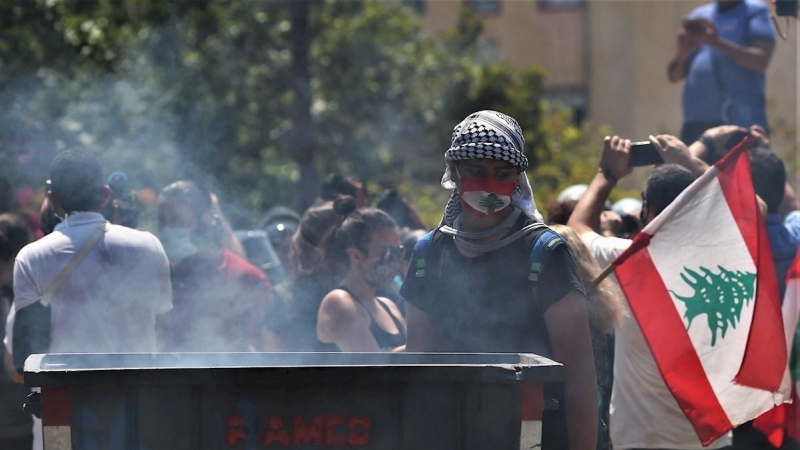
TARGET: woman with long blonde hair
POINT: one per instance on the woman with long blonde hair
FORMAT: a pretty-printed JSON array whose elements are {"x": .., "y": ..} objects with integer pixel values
[
  {"x": 606, "y": 309},
  {"x": 605, "y": 304}
]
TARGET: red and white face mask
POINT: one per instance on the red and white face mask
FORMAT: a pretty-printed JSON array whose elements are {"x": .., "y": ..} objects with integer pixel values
[{"x": 486, "y": 196}]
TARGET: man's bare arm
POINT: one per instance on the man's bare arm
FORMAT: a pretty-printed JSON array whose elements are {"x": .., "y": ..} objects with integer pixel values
[
  {"x": 613, "y": 166},
  {"x": 675, "y": 151},
  {"x": 568, "y": 330},
  {"x": 11, "y": 371},
  {"x": 754, "y": 57},
  {"x": 677, "y": 68},
  {"x": 419, "y": 330}
]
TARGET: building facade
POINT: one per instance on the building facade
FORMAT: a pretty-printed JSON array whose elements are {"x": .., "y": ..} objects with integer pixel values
[{"x": 607, "y": 58}]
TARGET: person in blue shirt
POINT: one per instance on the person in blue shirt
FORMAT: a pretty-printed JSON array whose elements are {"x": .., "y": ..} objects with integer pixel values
[
  {"x": 783, "y": 217},
  {"x": 723, "y": 51},
  {"x": 783, "y": 231},
  {"x": 782, "y": 208}
]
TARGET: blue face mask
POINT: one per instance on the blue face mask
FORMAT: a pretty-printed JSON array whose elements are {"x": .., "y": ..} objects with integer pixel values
[{"x": 177, "y": 243}]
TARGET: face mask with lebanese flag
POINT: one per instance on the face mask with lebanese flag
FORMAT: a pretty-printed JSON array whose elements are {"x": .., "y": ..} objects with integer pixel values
[{"x": 486, "y": 196}]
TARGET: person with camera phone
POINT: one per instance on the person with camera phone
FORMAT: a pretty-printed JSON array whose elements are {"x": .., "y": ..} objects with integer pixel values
[
  {"x": 723, "y": 50},
  {"x": 665, "y": 149}
]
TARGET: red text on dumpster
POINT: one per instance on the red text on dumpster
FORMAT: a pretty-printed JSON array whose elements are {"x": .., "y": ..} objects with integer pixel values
[{"x": 294, "y": 431}]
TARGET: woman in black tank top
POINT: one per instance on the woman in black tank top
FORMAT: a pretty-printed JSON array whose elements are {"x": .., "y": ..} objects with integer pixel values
[{"x": 352, "y": 316}]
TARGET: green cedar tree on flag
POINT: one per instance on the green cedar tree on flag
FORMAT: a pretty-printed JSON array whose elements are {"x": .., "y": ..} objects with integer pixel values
[{"x": 700, "y": 281}]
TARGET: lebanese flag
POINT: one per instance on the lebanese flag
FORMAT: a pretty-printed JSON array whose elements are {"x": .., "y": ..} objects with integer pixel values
[
  {"x": 700, "y": 281},
  {"x": 786, "y": 418}
]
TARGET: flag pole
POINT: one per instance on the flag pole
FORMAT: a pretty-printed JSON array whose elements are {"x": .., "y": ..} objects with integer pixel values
[{"x": 603, "y": 275}]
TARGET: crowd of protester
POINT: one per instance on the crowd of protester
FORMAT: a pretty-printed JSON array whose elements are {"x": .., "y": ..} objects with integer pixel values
[
  {"x": 356, "y": 275},
  {"x": 343, "y": 263},
  {"x": 193, "y": 289}
]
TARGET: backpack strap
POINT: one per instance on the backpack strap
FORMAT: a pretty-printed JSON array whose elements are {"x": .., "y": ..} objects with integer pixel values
[
  {"x": 545, "y": 243},
  {"x": 73, "y": 263},
  {"x": 420, "y": 254}
]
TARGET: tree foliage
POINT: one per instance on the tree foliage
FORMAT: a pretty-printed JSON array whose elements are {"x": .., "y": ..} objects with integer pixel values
[{"x": 203, "y": 89}]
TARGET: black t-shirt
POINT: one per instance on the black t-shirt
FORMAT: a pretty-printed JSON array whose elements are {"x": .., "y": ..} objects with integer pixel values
[{"x": 486, "y": 303}]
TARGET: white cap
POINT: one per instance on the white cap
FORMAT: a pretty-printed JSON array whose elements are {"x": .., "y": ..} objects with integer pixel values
[
  {"x": 572, "y": 193},
  {"x": 627, "y": 206}
]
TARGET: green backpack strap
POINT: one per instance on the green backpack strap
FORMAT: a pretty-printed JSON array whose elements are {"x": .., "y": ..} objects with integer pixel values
[
  {"x": 420, "y": 254},
  {"x": 545, "y": 243}
]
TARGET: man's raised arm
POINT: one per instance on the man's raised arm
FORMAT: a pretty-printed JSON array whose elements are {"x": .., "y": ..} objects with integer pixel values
[{"x": 613, "y": 166}]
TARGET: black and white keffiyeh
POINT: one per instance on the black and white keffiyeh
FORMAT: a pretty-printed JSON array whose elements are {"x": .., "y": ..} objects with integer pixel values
[{"x": 489, "y": 135}]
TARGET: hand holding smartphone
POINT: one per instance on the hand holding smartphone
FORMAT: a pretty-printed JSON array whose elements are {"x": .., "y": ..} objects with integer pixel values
[{"x": 694, "y": 26}]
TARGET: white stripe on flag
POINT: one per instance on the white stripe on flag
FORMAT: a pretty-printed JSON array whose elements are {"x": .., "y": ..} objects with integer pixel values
[{"x": 791, "y": 310}]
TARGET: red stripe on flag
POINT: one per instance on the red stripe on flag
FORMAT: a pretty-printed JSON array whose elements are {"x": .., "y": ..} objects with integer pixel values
[
  {"x": 665, "y": 333},
  {"x": 765, "y": 356},
  {"x": 771, "y": 424},
  {"x": 782, "y": 422},
  {"x": 794, "y": 270},
  {"x": 640, "y": 241}
]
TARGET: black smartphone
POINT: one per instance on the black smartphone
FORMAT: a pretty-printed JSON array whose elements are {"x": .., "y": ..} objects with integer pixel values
[
  {"x": 694, "y": 25},
  {"x": 644, "y": 154}
]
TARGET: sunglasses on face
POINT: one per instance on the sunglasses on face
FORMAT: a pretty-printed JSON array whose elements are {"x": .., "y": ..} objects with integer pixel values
[{"x": 389, "y": 254}]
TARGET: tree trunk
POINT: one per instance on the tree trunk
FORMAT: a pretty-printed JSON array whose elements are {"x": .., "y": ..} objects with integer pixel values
[{"x": 304, "y": 138}]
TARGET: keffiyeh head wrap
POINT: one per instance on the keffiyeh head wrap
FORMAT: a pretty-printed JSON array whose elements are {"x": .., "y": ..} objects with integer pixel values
[{"x": 489, "y": 135}]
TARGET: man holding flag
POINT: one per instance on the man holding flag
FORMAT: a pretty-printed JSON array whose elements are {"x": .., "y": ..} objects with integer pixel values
[
  {"x": 644, "y": 415},
  {"x": 691, "y": 288}
]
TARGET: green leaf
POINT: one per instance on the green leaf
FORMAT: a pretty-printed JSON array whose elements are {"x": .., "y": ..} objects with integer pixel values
[{"x": 719, "y": 296}]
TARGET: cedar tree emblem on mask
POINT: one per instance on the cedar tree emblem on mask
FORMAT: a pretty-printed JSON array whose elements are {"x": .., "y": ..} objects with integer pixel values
[{"x": 492, "y": 203}]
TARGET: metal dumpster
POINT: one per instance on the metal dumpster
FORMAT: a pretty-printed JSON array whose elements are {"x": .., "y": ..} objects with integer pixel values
[{"x": 290, "y": 400}]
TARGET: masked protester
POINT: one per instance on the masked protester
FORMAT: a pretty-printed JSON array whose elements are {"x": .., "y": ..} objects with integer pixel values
[
  {"x": 219, "y": 298},
  {"x": 493, "y": 278},
  {"x": 352, "y": 316}
]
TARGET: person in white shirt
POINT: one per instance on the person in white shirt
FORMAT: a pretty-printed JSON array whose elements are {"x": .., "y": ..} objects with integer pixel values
[
  {"x": 88, "y": 287},
  {"x": 643, "y": 412}
]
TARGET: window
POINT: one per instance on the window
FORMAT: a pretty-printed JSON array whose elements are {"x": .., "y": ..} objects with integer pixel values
[
  {"x": 556, "y": 5},
  {"x": 483, "y": 6}
]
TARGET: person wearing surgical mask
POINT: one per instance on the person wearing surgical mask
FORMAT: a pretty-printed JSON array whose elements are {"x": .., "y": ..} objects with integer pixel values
[
  {"x": 218, "y": 296},
  {"x": 493, "y": 278},
  {"x": 353, "y": 316}
]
